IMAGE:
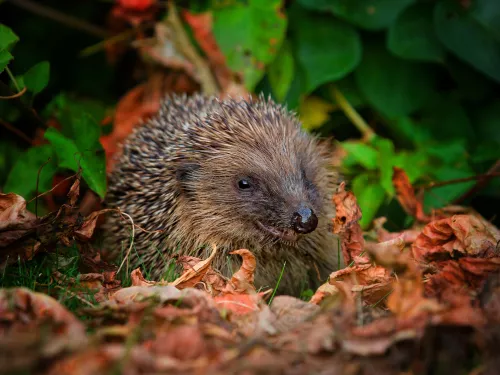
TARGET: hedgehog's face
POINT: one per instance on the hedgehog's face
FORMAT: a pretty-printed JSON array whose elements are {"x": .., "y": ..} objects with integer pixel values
[{"x": 267, "y": 194}]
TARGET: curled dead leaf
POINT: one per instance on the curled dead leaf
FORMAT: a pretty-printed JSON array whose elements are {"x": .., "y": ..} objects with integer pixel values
[
  {"x": 464, "y": 234},
  {"x": 242, "y": 280},
  {"x": 194, "y": 275}
]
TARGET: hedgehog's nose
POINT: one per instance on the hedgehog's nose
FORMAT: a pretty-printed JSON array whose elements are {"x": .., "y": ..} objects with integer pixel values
[{"x": 304, "y": 220}]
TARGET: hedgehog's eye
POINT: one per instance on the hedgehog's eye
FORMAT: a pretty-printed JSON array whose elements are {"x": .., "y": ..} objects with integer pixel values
[{"x": 244, "y": 184}]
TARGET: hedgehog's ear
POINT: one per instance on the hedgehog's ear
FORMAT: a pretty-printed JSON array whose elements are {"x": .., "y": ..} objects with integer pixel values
[{"x": 185, "y": 176}]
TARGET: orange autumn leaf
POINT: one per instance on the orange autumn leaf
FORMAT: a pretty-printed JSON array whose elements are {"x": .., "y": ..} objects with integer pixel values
[
  {"x": 464, "y": 234},
  {"x": 346, "y": 224},
  {"x": 239, "y": 304},
  {"x": 242, "y": 280},
  {"x": 137, "y": 105},
  {"x": 194, "y": 275},
  {"x": 405, "y": 194}
]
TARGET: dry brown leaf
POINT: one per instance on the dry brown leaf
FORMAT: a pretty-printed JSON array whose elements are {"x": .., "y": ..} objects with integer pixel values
[
  {"x": 137, "y": 105},
  {"x": 239, "y": 304},
  {"x": 242, "y": 280},
  {"x": 139, "y": 280},
  {"x": 347, "y": 210},
  {"x": 86, "y": 230},
  {"x": 15, "y": 220},
  {"x": 74, "y": 191},
  {"x": 405, "y": 194},
  {"x": 35, "y": 327},
  {"x": 194, "y": 275},
  {"x": 290, "y": 312},
  {"x": 346, "y": 225},
  {"x": 185, "y": 343},
  {"x": 369, "y": 282},
  {"x": 466, "y": 234}
]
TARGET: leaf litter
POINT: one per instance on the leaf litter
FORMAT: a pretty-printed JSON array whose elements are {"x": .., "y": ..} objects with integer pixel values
[{"x": 398, "y": 292}]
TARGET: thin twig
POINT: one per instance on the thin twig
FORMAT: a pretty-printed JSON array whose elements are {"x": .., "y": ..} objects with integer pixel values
[
  {"x": 17, "y": 95},
  {"x": 55, "y": 187},
  {"x": 87, "y": 51},
  {"x": 16, "y": 131},
  {"x": 13, "y": 79},
  {"x": 481, "y": 177},
  {"x": 352, "y": 114},
  {"x": 494, "y": 171},
  {"x": 65, "y": 19},
  {"x": 131, "y": 242}
]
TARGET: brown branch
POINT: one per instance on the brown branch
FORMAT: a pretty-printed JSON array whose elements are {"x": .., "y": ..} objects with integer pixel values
[
  {"x": 14, "y": 96},
  {"x": 65, "y": 19},
  {"x": 16, "y": 131},
  {"x": 488, "y": 176},
  {"x": 494, "y": 171}
]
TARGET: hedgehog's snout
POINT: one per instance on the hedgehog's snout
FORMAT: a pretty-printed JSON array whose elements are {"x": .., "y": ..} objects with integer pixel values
[{"x": 304, "y": 220}]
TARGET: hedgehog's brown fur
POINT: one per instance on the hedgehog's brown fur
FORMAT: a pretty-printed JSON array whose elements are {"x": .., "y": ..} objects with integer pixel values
[{"x": 177, "y": 178}]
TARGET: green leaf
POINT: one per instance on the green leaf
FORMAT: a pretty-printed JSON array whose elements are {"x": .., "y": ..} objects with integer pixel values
[
  {"x": 66, "y": 109},
  {"x": 412, "y": 35},
  {"x": 446, "y": 120},
  {"x": 393, "y": 86},
  {"x": 23, "y": 175},
  {"x": 449, "y": 153},
  {"x": 5, "y": 58},
  {"x": 326, "y": 48},
  {"x": 37, "y": 78},
  {"x": 85, "y": 151},
  {"x": 370, "y": 196},
  {"x": 409, "y": 129},
  {"x": 7, "y": 38},
  {"x": 364, "y": 154},
  {"x": 416, "y": 163},
  {"x": 250, "y": 34},
  {"x": 385, "y": 161},
  {"x": 471, "y": 84},
  {"x": 281, "y": 72},
  {"x": 367, "y": 14},
  {"x": 487, "y": 122},
  {"x": 468, "y": 37}
]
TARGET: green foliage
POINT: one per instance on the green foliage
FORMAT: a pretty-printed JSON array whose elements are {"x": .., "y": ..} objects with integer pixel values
[
  {"x": 473, "y": 36},
  {"x": 281, "y": 72},
  {"x": 84, "y": 151},
  {"x": 412, "y": 36},
  {"x": 35, "y": 163},
  {"x": 37, "y": 78},
  {"x": 7, "y": 41},
  {"x": 393, "y": 86},
  {"x": 326, "y": 48},
  {"x": 250, "y": 35},
  {"x": 367, "y": 14},
  {"x": 78, "y": 145}
]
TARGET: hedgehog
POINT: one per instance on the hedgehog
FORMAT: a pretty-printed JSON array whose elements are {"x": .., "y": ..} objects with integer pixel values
[{"x": 240, "y": 174}]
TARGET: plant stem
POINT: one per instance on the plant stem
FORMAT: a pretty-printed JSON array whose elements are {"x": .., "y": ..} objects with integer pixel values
[
  {"x": 12, "y": 78},
  {"x": 60, "y": 17},
  {"x": 481, "y": 177},
  {"x": 352, "y": 114}
]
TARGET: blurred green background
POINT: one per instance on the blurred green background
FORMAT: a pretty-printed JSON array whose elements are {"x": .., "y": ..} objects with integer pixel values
[{"x": 422, "y": 75}]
